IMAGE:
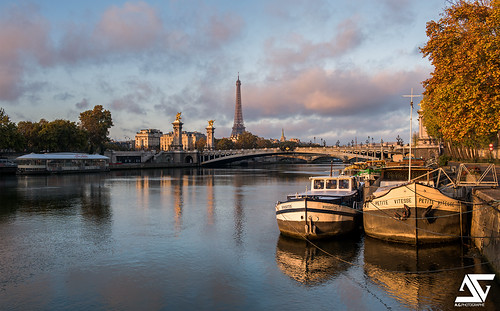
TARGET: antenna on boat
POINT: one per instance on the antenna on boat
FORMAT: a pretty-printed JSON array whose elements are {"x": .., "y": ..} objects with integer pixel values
[{"x": 411, "y": 114}]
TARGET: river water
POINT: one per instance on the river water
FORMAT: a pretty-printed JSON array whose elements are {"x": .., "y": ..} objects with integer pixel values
[{"x": 203, "y": 239}]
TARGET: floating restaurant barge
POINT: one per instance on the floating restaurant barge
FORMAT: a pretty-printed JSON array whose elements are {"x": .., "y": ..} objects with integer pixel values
[{"x": 48, "y": 163}]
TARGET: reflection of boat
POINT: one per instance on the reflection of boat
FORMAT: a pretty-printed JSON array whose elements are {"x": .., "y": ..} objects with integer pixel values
[
  {"x": 412, "y": 212},
  {"x": 394, "y": 267},
  {"x": 330, "y": 208},
  {"x": 309, "y": 265},
  {"x": 7, "y": 166},
  {"x": 61, "y": 163}
]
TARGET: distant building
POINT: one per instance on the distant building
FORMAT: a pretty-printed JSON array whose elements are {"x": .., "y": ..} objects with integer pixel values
[
  {"x": 283, "y": 138},
  {"x": 148, "y": 139},
  {"x": 238, "y": 126},
  {"x": 189, "y": 140}
]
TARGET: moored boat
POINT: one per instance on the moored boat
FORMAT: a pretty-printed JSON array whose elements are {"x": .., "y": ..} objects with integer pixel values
[
  {"x": 49, "y": 163},
  {"x": 330, "y": 208},
  {"x": 414, "y": 211}
]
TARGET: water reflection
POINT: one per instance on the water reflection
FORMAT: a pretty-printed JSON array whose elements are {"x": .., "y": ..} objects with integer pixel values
[
  {"x": 420, "y": 278},
  {"x": 47, "y": 222},
  {"x": 315, "y": 264},
  {"x": 239, "y": 212},
  {"x": 209, "y": 183},
  {"x": 58, "y": 194},
  {"x": 197, "y": 238}
]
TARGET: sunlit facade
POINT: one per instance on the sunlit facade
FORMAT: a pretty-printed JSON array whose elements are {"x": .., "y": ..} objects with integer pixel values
[
  {"x": 148, "y": 139},
  {"x": 189, "y": 140}
]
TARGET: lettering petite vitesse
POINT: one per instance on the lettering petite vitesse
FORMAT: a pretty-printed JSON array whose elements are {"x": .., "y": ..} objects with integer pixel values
[{"x": 402, "y": 201}]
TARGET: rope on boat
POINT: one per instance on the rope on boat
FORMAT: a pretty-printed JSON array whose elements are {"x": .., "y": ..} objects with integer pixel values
[
  {"x": 429, "y": 231},
  {"x": 460, "y": 201},
  {"x": 486, "y": 205},
  {"x": 391, "y": 271},
  {"x": 423, "y": 218}
]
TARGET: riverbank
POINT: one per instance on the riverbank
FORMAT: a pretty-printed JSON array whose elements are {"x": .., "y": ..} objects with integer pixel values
[
  {"x": 135, "y": 166},
  {"x": 485, "y": 227}
]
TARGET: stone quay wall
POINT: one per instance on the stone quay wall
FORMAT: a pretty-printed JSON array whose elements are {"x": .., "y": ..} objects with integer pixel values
[{"x": 485, "y": 227}]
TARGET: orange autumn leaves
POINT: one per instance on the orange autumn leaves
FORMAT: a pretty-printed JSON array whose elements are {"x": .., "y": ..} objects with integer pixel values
[{"x": 462, "y": 97}]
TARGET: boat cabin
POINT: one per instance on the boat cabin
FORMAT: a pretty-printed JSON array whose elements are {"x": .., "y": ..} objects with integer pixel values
[{"x": 338, "y": 183}]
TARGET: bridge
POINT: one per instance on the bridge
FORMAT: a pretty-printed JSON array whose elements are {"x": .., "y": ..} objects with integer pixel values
[
  {"x": 346, "y": 154},
  {"x": 142, "y": 158}
]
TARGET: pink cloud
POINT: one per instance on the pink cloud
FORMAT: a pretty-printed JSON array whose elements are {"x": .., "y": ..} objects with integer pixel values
[
  {"x": 297, "y": 50},
  {"x": 223, "y": 28},
  {"x": 331, "y": 93},
  {"x": 133, "y": 26},
  {"x": 24, "y": 37}
]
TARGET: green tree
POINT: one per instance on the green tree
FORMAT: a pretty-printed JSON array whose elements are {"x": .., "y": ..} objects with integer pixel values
[
  {"x": 462, "y": 97},
  {"x": 96, "y": 123},
  {"x": 55, "y": 136},
  {"x": 31, "y": 133},
  {"x": 264, "y": 143},
  {"x": 10, "y": 139},
  {"x": 246, "y": 140},
  {"x": 63, "y": 135},
  {"x": 224, "y": 144}
]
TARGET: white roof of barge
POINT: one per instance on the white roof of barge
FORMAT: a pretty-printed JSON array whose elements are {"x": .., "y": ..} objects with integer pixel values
[{"x": 62, "y": 156}]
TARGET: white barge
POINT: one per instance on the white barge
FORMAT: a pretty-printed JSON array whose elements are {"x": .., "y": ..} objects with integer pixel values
[
  {"x": 48, "y": 163},
  {"x": 332, "y": 207}
]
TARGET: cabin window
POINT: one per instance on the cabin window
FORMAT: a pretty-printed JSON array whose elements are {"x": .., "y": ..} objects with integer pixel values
[
  {"x": 318, "y": 184},
  {"x": 344, "y": 184},
  {"x": 331, "y": 184}
]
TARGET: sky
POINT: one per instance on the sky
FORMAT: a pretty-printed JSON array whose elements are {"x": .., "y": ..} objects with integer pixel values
[{"x": 319, "y": 70}]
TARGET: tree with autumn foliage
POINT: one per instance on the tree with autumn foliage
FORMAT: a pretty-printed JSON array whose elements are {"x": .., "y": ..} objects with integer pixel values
[
  {"x": 461, "y": 101},
  {"x": 96, "y": 124}
]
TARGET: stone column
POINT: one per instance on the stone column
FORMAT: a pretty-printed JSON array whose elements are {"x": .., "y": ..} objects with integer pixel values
[
  {"x": 177, "y": 141},
  {"x": 210, "y": 136}
]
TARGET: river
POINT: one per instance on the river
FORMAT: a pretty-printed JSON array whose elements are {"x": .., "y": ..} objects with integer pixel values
[{"x": 202, "y": 239}]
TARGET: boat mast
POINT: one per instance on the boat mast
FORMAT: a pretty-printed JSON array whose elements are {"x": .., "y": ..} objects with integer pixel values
[{"x": 411, "y": 114}]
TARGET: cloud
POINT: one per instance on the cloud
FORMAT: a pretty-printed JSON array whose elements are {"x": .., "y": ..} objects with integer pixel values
[
  {"x": 140, "y": 95},
  {"x": 134, "y": 26},
  {"x": 296, "y": 50},
  {"x": 24, "y": 39},
  {"x": 397, "y": 11},
  {"x": 223, "y": 28},
  {"x": 317, "y": 91},
  {"x": 63, "y": 96},
  {"x": 132, "y": 31},
  {"x": 83, "y": 104}
]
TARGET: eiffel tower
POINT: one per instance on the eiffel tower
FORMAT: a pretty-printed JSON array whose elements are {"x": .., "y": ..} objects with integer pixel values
[{"x": 238, "y": 127}]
